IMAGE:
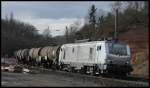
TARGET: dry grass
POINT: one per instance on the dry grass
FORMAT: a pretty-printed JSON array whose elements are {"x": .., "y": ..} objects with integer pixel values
[{"x": 139, "y": 43}]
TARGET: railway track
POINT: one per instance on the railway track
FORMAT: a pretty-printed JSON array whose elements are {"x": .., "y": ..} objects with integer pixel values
[{"x": 104, "y": 81}]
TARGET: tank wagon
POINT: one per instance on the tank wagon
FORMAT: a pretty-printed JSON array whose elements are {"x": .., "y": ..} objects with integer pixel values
[
  {"x": 94, "y": 57},
  {"x": 18, "y": 56},
  {"x": 35, "y": 55},
  {"x": 48, "y": 55},
  {"x": 24, "y": 56}
]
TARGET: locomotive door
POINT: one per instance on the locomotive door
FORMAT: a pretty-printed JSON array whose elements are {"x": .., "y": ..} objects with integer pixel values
[
  {"x": 91, "y": 53},
  {"x": 99, "y": 53}
]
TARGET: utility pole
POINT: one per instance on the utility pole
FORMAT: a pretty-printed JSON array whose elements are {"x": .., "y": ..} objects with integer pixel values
[
  {"x": 67, "y": 40},
  {"x": 116, "y": 24}
]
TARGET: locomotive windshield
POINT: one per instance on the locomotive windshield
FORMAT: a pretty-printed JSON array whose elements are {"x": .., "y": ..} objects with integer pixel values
[{"x": 117, "y": 49}]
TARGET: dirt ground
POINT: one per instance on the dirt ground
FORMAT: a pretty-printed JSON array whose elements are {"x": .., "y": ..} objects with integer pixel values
[{"x": 26, "y": 80}]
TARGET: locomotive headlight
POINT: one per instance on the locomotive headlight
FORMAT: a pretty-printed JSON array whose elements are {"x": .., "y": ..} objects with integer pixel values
[
  {"x": 109, "y": 61},
  {"x": 127, "y": 62}
]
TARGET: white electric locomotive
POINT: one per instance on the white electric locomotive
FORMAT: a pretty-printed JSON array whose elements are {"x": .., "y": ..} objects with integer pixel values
[{"x": 95, "y": 57}]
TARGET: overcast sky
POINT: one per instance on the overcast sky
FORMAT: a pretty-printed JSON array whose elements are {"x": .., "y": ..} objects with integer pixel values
[{"x": 56, "y": 15}]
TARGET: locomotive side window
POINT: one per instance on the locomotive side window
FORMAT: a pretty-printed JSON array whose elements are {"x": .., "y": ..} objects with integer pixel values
[
  {"x": 91, "y": 53},
  {"x": 64, "y": 55},
  {"x": 98, "y": 48},
  {"x": 90, "y": 50},
  {"x": 72, "y": 50}
]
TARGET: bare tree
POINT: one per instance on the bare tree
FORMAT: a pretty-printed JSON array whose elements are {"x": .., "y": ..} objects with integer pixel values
[
  {"x": 11, "y": 16},
  {"x": 67, "y": 35},
  {"x": 6, "y": 17},
  {"x": 92, "y": 21},
  {"x": 116, "y": 5},
  {"x": 47, "y": 33}
]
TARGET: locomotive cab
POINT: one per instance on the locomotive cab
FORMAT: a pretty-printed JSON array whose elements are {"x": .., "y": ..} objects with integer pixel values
[
  {"x": 118, "y": 53},
  {"x": 118, "y": 58}
]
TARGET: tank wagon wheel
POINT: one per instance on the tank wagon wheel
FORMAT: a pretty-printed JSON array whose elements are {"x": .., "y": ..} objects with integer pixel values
[
  {"x": 73, "y": 69},
  {"x": 55, "y": 66},
  {"x": 83, "y": 71},
  {"x": 42, "y": 62}
]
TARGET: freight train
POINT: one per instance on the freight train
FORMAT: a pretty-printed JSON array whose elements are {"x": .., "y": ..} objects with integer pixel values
[{"x": 93, "y": 57}]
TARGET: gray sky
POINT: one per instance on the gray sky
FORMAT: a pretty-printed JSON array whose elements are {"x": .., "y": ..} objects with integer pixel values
[{"x": 54, "y": 14}]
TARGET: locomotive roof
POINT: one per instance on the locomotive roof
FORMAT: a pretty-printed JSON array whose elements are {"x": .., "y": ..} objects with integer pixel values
[
  {"x": 86, "y": 42},
  {"x": 90, "y": 42}
]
